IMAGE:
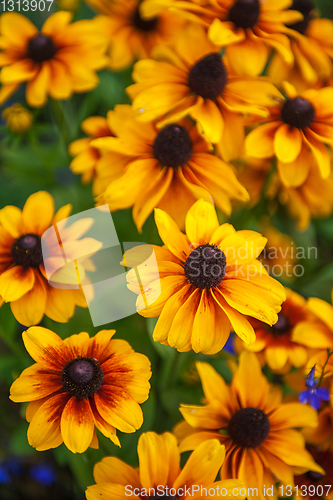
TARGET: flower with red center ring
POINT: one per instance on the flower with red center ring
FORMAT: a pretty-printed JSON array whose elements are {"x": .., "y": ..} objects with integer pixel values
[
  {"x": 256, "y": 427},
  {"x": 78, "y": 384}
]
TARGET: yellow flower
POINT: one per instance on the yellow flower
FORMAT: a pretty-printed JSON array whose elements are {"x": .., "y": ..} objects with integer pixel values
[
  {"x": 312, "y": 46},
  {"x": 68, "y": 4},
  {"x": 18, "y": 118},
  {"x": 88, "y": 161},
  {"x": 193, "y": 79},
  {"x": 248, "y": 29},
  {"x": 130, "y": 36},
  {"x": 78, "y": 384},
  {"x": 284, "y": 344},
  {"x": 159, "y": 471},
  {"x": 208, "y": 279},
  {"x": 257, "y": 429},
  {"x": 59, "y": 60},
  {"x": 23, "y": 279},
  {"x": 297, "y": 132},
  {"x": 169, "y": 168}
]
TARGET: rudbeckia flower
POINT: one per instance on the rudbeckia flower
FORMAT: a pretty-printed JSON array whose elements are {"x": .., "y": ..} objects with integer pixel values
[
  {"x": 23, "y": 279},
  {"x": 279, "y": 346},
  {"x": 130, "y": 36},
  {"x": 257, "y": 429},
  {"x": 193, "y": 79},
  {"x": 297, "y": 132},
  {"x": 208, "y": 279},
  {"x": 169, "y": 167},
  {"x": 248, "y": 29},
  {"x": 312, "y": 45},
  {"x": 78, "y": 384},
  {"x": 159, "y": 471},
  {"x": 17, "y": 118},
  {"x": 88, "y": 161},
  {"x": 57, "y": 61},
  {"x": 321, "y": 484}
]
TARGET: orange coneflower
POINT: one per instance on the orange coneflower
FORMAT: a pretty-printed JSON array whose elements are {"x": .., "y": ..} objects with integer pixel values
[
  {"x": 282, "y": 345},
  {"x": 168, "y": 168},
  {"x": 130, "y": 36},
  {"x": 249, "y": 29},
  {"x": 209, "y": 279},
  {"x": 23, "y": 279},
  {"x": 257, "y": 429},
  {"x": 78, "y": 384},
  {"x": 297, "y": 131},
  {"x": 193, "y": 79},
  {"x": 59, "y": 60},
  {"x": 159, "y": 474}
]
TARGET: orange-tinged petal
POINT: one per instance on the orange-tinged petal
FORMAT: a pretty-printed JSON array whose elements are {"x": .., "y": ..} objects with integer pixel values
[
  {"x": 322, "y": 309},
  {"x": 201, "y": 222},
  {"x": 34, "y": 383},
  {"x": 44, "y": 429},
  {"x": 56, "y": 22},
  {"x": 113, "y": 470},
  {"x": 17, "y": 28},
  {"x": 46, "y": 348},
  {"x": 295, "y": 174},
  {"x": 214, "y": 386},
  {"x": 287, "y": 143},
  {"x": 104, "y": 427},
  {"x": 290, "y": 415},
  {"x": 182, "y": 317},
  {"x": 123, "y": 414},
  {"x": 276, "y": 356},
  {"x": 282, "y": 471},
  {"x": 19, "y": 71},
  {"x": 205, "y": 417},
  {"x": 171, "y": 235},
  {"x": 107, "y": 491},
  {"x": 15, "y": 282},
  {"x": 221, "y": 33},
  {"x": 192, "y": 441},
  {"x": 204, "y": 324},
  {"x": 260, "y": 141},
  {"x": 320, "y": 153},
  {"x": 210, "y": 119},
  {"x": 11, "y": 220},
  {"x": 29, "y": 309},
  {"x": 36, "y": 91},
  {"x": 77, "y": 424},
  {"x": 249, "y": 384},
  {"x": 248, "y": 57},
  {"x": 312, "y": 335},
  {"x": 60, "y": 304},
  {"x": 251, "y": 470},
  {"x": 203, "y": 464},
  {"x": 159, "y": 459}
]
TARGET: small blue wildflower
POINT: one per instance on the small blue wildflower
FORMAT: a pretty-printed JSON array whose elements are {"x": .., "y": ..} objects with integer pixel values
[
  {"x": 230, "y": 345},
  {"x": 313, "y": 395},
  {"x": 4, "y": 476},
  {"x": 43, "y": 474}
]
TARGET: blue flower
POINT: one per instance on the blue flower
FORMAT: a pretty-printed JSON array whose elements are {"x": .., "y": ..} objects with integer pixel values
[
  {"x": 313, "y": 395},
  {"x": 43, "y": 474}
]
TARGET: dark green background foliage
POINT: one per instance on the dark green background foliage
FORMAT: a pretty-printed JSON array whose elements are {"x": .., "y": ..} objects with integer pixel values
[{"x": 40, "y": 160}]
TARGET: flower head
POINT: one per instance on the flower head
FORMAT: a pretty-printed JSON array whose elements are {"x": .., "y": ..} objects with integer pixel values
[
  {"x": 199, "y": 83},
  {"x": 78, "y": 384},
  {"x": 297, "y": 132},
  {"x": 209, "y": 278},
  {"x": 249, "y": 418},
  {"x": 159, "y": 474},
  {"x": 59, "y": 60},
  {"x": 23, "y": 279},
  {"x": 130, "y": 35},
  {"x": 17, "y": 118},
  {"x": 167, "y": 167}
]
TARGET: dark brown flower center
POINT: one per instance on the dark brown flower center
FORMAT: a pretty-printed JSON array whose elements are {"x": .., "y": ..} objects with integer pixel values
[
  {"x": 41, "y": 48},
  {"x": 205, "y": 267},
  {"x": 281, "y": 326},
  {"x": 305, "y": 7},
  {"x": 82, "y": 377},
  {"x": 249, "y": 427},
  {"x": 144, "y": 24},
  {"x": 208, "y": 77},
  {"x": 245, "y": 13},
  {"x": 173, "y": 146},
  {"x": 27, "y": 250},
  {"x": 298, "y": 112}
]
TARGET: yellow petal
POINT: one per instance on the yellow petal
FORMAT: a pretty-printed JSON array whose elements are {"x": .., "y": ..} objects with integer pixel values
[
  {"x": 38, "y": 212},
  {"x": 29, "y": 309},
  {"x": 201, "y": 222},
  {"x": 287, "y": 143},
  {"x": 46, "y": 348},
  {"x": 15, "y": 282},
  {"x": 11, "y": 220},
  {"x": 113, "y": 470},
  {"x": 36, "y": 92},
  {"x": 77, "y": 424},
  {"x": 34, "y": 383},
  {"x": 260, "y": 141},
  {"x": 170, "y": 234}
]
